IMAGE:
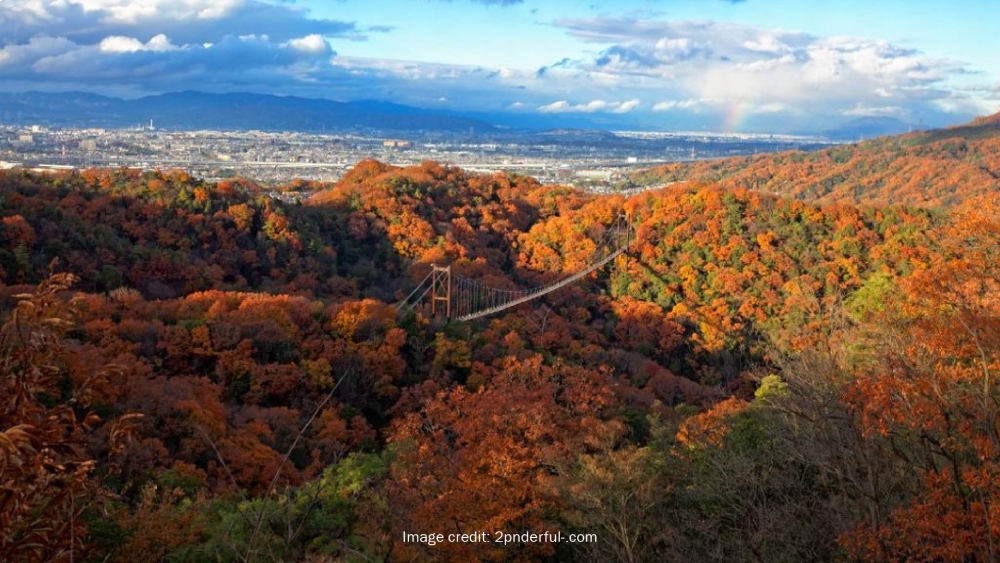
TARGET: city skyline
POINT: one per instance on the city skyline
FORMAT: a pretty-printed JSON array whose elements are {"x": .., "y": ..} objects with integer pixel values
[{"x": 725, "y": 65}]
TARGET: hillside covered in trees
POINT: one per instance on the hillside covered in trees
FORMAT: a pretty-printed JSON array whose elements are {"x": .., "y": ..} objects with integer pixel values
[
  {"x": 938, "y": 168},
  {"x": 192, "y": 371}
]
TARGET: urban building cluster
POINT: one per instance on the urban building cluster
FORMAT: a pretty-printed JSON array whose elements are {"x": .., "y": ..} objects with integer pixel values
[{"x": 593, "y": 160}]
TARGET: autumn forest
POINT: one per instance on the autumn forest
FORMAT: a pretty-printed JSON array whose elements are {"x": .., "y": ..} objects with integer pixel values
[{"x": 798, "y": 360}]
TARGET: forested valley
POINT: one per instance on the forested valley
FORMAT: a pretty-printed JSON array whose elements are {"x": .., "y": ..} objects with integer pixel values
[{"x": 797, "y": 361}]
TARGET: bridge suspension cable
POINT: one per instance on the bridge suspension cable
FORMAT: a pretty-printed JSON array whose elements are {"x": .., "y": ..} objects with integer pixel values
[{"x": 465, "y": 299}]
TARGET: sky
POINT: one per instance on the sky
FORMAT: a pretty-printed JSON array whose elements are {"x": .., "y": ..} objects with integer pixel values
[{"x": 720, "y": 65}]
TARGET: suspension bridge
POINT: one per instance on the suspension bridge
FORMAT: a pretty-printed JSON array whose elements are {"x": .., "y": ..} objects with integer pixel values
[{"x": 461, "y": 298}]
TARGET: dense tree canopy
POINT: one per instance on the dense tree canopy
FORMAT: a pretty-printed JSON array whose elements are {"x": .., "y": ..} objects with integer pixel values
[
  {"x": 197, "y": 371},
  {"x": 928, "y": 169}
]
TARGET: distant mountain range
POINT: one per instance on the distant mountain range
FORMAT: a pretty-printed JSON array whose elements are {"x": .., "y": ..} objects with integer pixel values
[
  {"x": 235, "y": 111},
  {"x": 868, "y": 127},
  {"x": 196, "y": 110}
]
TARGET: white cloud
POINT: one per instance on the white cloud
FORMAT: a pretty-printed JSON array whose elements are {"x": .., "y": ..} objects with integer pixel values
[
  {"x": 963, "y": 105},
  {"x": 128, "y": 11},
  {"x": 762, "y": 71},
  {"x": 160, "y": 43},
  {"x": 556, "y": 107},
  {"x": 766, "y": 43},
  {"x": 594, "y": 106},
  {"x": 628, "y": 106},
  {"x": 668, "y": 105},
  {"x": 675, "y": 44},
  {"x": 15, "y": 57},
  {"x": 119, "y": 44},
  {"x": 764, "y": 109},
  {"x": 233, "y": 63},
  {"x": 184, "y": 21},
  {"x": 591, "y": 107},
  {"x": 313, "y": 43}
]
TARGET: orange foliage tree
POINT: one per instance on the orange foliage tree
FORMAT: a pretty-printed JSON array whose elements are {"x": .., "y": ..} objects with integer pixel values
[
  {"x": 935, "y": 389},
  {"x": 47, "y": 390},
  {"x": 483, "y": 461}
]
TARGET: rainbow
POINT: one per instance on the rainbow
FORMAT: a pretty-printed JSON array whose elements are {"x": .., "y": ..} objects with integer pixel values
[{"x": 735, "y": 115}]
